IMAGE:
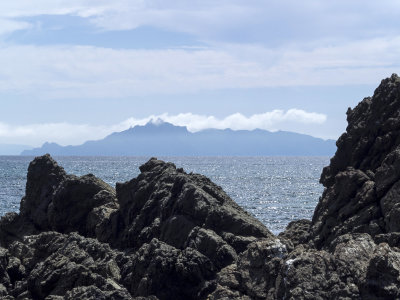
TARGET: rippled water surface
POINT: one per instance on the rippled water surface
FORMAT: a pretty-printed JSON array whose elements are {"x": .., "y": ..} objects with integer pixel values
[{"x": 276, "y": 190}]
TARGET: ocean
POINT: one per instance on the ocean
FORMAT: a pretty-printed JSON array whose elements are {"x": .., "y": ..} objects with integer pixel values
[{"x": 276, "y": 190}]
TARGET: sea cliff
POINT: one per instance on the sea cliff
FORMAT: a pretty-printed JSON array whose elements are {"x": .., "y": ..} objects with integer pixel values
[{"x": 171, "y": 235}]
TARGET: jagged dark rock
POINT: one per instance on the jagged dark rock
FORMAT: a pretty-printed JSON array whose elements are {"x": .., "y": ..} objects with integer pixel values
[
  {"x": 362, "y": 181},
  {"x": 296, "y": 233},
  {"x": 166, "y": 203},
  {"x": 171, "y": 235}
]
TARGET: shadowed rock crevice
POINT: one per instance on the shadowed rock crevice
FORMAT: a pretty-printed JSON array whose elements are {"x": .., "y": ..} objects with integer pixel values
[{"x": 167, "y": 234}]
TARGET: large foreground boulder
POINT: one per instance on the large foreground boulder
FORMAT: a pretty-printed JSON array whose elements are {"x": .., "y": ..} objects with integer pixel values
[
  {"x": 163, "y": 233},
  {"x": 171, "y": 235},
  {"x": 182, "y": 210}
]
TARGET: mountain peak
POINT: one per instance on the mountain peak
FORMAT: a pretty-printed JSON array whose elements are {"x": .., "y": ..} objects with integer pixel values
[
  {"x": 157, "y": 122},
  {"x": 160, "y": 138},
  {"x": 158, "y": 126}
]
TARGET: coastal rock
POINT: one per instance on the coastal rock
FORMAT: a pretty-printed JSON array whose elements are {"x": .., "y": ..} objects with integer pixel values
[
  {"x": 51, "y": 265},
  {"x": 162, "y": 270},
  {"x": 383, "y": 273},
  {"x": 362, "y": 181},
  {"x": 44, "y": 176},
  {"x": 164, "y": 202},
  {"x": 353, "y": 268},
  {"x": 255, "y": 275},
  {"x": 171, "y": 233},
  {"x": 350, "y": 249},
  {"x": 79, "y": 203},
  {"x": 372, "y": 132},
  {"x": 57, "y": 201},
  {"x": 296, "y": 233},
  {"x": 5, "y": 281}
]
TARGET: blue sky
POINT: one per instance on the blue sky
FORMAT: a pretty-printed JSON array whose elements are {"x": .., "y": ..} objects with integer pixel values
[{"x": 77, "y": 70}]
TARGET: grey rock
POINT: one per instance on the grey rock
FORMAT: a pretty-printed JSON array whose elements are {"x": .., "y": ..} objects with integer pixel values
[
  {"x": 361, "y": 182},
  {"x": 166, "y": 203},
  {"x": 259, "y": 267},
  {"x": 349, "y": 205},
  {"x": 57, "y": 201},
  {"x": 211, "y": 245},
  {"x": 174, "y": 233},
  {"x": 78, "y": 202},
  {"x": 372, "y": 132},
  {"x": 296, "y": 233},
  {"x": 162, "y": 270},
  {"x": 383, "y": 274},
  {"x": 392, "y": 239},
  {"x": 44, "y": 176},
  {"x": 335, "y": 273},
  {"x": 61, "y": 265}
]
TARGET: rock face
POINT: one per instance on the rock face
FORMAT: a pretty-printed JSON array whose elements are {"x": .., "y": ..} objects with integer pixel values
[
  {"x": 163, "y": 233},
  {"x": 363, "y": 180},
  {"x": 171, "y": 235}
]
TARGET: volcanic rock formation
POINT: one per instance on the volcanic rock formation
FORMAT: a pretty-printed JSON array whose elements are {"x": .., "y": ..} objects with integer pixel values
[{"x": 171, "y": 235}]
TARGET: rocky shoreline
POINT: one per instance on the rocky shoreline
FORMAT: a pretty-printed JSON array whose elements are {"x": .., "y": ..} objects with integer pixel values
[{"x": 171, "y": 235}]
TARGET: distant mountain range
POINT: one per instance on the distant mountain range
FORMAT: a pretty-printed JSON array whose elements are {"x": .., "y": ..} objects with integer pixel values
[{"x": 165, "y": 139}]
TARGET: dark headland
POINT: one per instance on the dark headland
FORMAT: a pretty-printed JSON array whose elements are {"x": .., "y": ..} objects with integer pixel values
[{"x": 171, "y": 235}]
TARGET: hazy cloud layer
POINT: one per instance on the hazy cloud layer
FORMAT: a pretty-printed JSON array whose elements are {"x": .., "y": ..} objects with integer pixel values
[
  {"x": 273, "y": 120},
  {"x": 66, "y": 133},
  {"x": 209, "y": 19},
  {"x": 65, "y": 72},
  {"x": 247, "y": 44}
]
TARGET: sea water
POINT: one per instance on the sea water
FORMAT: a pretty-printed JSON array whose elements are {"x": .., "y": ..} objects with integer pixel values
[{"x": 276, "y": 190}]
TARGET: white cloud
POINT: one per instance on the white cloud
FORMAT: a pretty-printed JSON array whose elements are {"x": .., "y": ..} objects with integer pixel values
[
  {"x": 286, "y": 21},
  {"x": 324, "y": 53},
  {"x": 92, "y": 72},
  {"x": 8, "y": 26},
  {"x": 211, "y": 19},
  {"x": 272, "y": 120},
  {"x": 66, "y": 133}
]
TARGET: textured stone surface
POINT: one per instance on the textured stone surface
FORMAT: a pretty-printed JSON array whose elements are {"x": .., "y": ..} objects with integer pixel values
[
  {"x": 170, "y": 233},
  {"x": 166, "y": 203},
  {"x": 362, "y": 181}
]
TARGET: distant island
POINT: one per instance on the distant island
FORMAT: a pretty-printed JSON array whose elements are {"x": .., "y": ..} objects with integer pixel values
[{"x": 159, "y": 138}]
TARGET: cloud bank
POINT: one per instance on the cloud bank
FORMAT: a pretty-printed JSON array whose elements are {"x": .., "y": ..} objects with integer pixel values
[
  {"x": 74, "y": 134},
  {"x": 209, "y": 19},
  {"x": 93, "y": 72},
  {"x": 272, "y": 120},
  {"x": 318, "y": 43}
]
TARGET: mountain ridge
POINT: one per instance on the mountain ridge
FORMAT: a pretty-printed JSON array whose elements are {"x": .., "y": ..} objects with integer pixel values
[{"x": 165, "y": 139}]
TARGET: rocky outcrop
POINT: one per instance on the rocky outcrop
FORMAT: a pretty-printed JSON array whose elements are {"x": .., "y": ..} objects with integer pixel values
[
  {"x": 181, "y": 210},
  {"x": 171, "y": 235},
  {"x": 163, "y": 233},
  {"x": 362, "y": 182}
]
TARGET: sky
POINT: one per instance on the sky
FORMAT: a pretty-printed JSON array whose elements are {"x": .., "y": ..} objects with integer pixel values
[{"x": 78, "y": 70}]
